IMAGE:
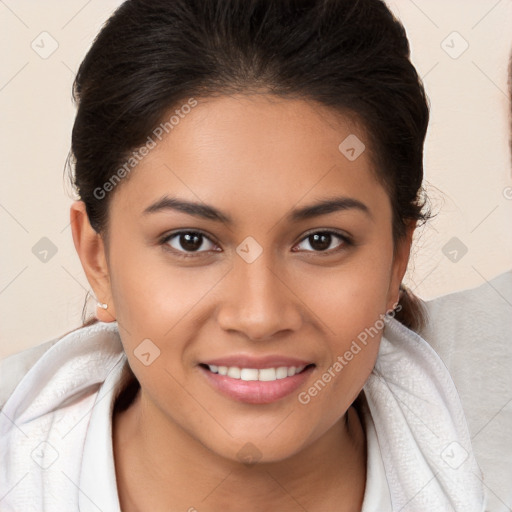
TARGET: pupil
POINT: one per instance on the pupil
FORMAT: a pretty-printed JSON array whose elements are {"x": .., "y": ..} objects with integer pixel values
[
  {"x": 321, "y": 241},
  {"x": 190, "y": 241}
]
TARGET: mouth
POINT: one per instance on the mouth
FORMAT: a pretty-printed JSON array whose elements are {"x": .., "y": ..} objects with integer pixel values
[
  {"x": 252, "y": 374},
  {"x": 256, "y": 385}
]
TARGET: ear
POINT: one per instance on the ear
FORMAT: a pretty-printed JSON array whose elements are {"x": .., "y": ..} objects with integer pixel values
[
  {"x": 399, "y": 267},
  {"x": 91, "y": 251}
]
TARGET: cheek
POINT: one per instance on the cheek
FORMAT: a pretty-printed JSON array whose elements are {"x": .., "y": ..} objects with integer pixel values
[
  {"x": 151, "y": 294},
  {"x": 349, "y": 298},
  {"x": 337, "y": 384},
  {"x": 350, "y": 302},
  {"x": 152, "y": 302}
]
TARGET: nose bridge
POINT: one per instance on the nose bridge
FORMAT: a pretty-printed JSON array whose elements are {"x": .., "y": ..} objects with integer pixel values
[{"x": 258, "y": 303}]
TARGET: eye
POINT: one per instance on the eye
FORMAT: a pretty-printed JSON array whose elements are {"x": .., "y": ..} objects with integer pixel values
[
  {"x": 194, "y": 243},
  {"x": 321, "y": 241},
  {"x": 186, "y": 243}
]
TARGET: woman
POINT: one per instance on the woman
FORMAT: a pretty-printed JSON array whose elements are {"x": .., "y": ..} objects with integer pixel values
[{"x": 250, "y": 178}]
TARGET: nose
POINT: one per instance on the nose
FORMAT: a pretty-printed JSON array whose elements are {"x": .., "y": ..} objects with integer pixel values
[{"x": 259, "y": 301}]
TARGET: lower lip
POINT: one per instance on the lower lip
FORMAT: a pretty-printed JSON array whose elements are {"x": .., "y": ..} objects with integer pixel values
[{"x": 255, "y": 391}]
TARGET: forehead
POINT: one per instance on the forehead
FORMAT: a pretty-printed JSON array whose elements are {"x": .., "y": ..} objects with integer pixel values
[{"x": 255, "y": 151}]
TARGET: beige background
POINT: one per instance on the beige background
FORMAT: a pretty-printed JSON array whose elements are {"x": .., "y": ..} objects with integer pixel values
[{"x": 467, "y": 160}]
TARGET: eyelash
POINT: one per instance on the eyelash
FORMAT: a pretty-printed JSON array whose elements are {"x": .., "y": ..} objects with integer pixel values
[{"x": 347, "y": 242}]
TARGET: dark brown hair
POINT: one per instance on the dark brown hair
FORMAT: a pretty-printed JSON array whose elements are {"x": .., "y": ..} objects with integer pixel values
[{"x": 350, "y": 55}]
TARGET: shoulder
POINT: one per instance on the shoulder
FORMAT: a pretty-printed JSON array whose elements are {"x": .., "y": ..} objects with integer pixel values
[
  {"x": 59, "y": 366},
  {"x": 417, "y": 412},
  {"x": 471, "y": 330},
  {"x": 15, "y": 366},
  {"x": 52, "y": 395},
  {"x": 472, "y": 316}
]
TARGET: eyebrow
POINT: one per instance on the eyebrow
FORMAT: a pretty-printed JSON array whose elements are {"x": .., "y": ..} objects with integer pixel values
[{"x": 208, "y": 212}]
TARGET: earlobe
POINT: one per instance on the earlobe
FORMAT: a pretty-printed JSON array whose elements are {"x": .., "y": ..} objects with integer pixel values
[{"x": 91, "y": 251}]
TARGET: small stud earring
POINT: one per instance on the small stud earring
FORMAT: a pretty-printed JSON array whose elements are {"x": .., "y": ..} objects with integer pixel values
[{"x": 101, "y": 305}]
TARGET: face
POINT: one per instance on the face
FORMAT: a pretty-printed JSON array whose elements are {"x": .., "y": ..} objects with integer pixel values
[{"x": 250, "y": 276}]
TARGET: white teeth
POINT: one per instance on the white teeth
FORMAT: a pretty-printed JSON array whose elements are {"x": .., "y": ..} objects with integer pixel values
[
  {"x": 281, "y": 372},
  {"x": 263, "y": 374},
  {"x": 234, "y": 372},
  {"x": 267, "y": 374},
  {"x": 249, "y": 374}
]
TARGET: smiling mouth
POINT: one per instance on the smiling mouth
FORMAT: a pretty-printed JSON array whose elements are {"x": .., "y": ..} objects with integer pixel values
[
  {"x": 256, "y": 385},
  {"x": 255, "y": 374}
]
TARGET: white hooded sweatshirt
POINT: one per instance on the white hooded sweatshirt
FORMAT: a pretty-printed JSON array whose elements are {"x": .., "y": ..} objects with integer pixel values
[{"x": 56, "y": 427}]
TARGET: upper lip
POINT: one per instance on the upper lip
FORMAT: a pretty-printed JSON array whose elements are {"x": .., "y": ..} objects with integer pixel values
[{"x": 246, "y": 361}]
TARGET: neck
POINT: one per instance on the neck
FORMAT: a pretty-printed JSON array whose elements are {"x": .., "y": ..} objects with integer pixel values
[{"x": 159, "y": 464}]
